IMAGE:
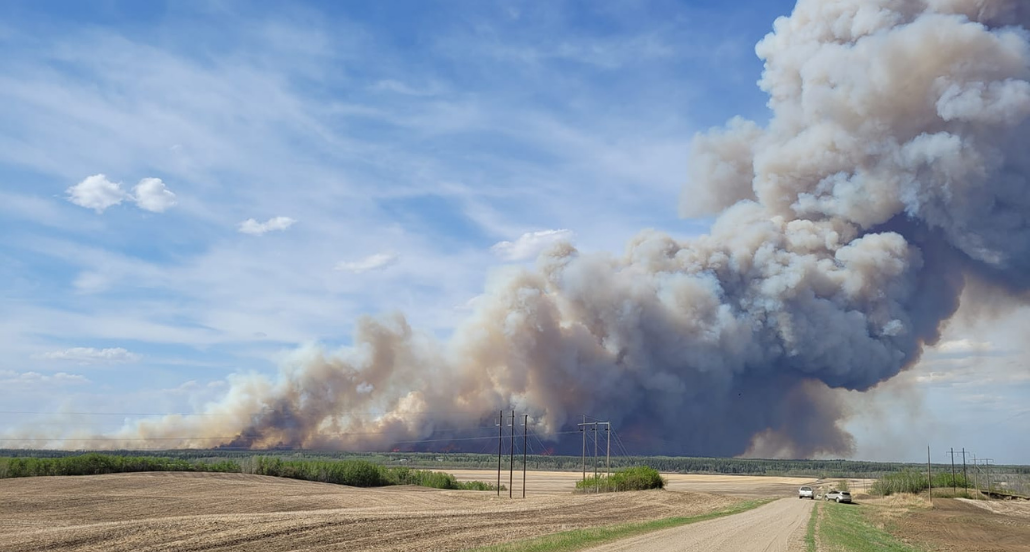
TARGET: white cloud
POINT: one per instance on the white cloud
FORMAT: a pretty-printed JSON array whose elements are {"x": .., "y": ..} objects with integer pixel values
[
  {"x": 96, "y": 192},
  {"x": 529, "y": 245},
  {"x": 11, "y": 378},
  {"x": 372, "y": 262},
  {"x": 255, "y": 228},
  {"x": 89, "y": 355},
  {"x": 152, "y": 195}
]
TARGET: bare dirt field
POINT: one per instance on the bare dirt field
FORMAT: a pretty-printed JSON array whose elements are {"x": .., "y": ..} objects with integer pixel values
[
  {"x": 958, "y": 524},
  {"x": 204, "y": 511},
  {"x": 743, "y": 486}
]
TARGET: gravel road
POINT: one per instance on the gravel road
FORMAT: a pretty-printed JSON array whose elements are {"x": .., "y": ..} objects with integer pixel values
[{"x": 776, "y": 527}]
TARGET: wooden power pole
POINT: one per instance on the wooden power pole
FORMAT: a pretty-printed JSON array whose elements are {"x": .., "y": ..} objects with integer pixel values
[
  {"x": 929, "y": 477},
  {"x": 511, "y": 465},
  {"x": 583, "y": 428},
  {"x": 608, "y": 456},
  {"x": 500, "y": 430},
  {"x": 525, "y": 449}
]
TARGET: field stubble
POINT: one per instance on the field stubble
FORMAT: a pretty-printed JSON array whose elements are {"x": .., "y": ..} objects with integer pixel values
[{"x": 208, "y": 511}]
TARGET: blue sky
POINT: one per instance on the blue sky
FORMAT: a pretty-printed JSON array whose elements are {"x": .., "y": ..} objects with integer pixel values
[{"x": 322, "y": 161}]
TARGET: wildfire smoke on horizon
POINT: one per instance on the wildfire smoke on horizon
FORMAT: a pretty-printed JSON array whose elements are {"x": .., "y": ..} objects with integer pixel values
[{"x": 892, "y": 171}]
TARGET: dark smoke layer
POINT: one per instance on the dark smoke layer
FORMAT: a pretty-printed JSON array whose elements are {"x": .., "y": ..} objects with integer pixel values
[{"x": 892, "y": 172}]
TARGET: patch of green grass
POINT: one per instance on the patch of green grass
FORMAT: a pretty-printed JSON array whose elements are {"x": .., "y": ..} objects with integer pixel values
[
  {"x": 810, "y": 532},
  {"x": 579, "y": 539},
  {"x": 844, "y": 527}
]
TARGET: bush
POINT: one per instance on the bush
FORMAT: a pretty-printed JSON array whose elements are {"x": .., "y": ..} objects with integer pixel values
[
  {"x": 910, "y": 481},
  {"x": 97, "y": 464},
  {"x": 358, "y": 473},
  {"x": 637, "y": 478}
]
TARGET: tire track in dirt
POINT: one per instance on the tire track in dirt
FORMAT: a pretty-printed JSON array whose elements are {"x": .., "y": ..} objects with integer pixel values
[{"x": 206, "y": 512}]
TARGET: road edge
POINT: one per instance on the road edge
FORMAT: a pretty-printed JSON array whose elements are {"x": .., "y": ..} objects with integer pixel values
[{"x": 579, "y": 539}]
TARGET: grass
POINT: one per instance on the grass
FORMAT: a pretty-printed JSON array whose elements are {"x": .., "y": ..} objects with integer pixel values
[
  {"x": 844, "y": 528},
  {"x": 810, "y": 532},
  {"x": 579, "y": 539}
]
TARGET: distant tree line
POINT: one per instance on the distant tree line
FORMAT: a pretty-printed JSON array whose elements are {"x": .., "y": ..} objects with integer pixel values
[
  {"x": 665, "y": 464},
  {"x": 353, "y": 472},
  {"x": 98, "y": 464}
]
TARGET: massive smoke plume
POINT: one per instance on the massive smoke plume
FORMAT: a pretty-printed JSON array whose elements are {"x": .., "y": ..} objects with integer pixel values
[{"x": 893, "y": 171}]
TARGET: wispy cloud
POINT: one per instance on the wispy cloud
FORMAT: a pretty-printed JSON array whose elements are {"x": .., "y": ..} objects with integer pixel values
[
  {"x": 398, "y": 87},
  {"x": 89, "y": 355},
  {"x": 275, "y": 224},
  {"x": 378, "y": 261},
  {"x": 29, "y": 379},
  {"x": 530, "y": 244}
]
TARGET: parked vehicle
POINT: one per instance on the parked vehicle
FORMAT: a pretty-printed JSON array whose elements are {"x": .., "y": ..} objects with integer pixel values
[
  {"x": 806, "y": 492},
  {"x": 839, "y": 496}
]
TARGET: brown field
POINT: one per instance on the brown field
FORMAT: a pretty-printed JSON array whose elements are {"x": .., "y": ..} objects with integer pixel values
[
  {"x": 207, "y": 511},
  {"x": 961, "y": 525},
  {"x": 204, "y": 511},
  {"x": 743, "y": 486},
  {"x": 955, "y": 524}
]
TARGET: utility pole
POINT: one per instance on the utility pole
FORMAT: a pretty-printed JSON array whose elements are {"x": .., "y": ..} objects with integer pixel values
[
  {"x": 976, "y": 478},
  {"x": 965, "y": 478},
  {"x": 929, "y": 476},
  {"x": 511, "y": 465},
  {"x": 525, "y": 449},
  {"x": 583, "y": 428},
  {"x": 608, "y": 456},
  {"x": 987, "y": 462},
  {"x": 954, "y": 485},
  {"x": 500, "y": 429},
  {"x": 597, "y": 482}
]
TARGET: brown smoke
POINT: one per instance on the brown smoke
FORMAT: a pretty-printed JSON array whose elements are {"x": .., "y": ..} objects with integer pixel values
[{"x": 893, "y": 170}]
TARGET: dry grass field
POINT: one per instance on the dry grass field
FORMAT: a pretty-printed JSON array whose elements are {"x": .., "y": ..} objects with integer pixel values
[
  {"x": 742, "y": 486},
  {"x": 968, "y": 526},
  {"x": 205, "y": 511},
  {"x": 179, "y": 511}
]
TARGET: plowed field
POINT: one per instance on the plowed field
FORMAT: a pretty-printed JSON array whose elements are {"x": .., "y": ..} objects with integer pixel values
[{"x": 198, "y": 511}]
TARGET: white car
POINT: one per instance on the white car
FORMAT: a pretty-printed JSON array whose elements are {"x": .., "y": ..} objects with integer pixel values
[
  {"x": 806, "y": 492},
  {"x": 839, "y": 496}
]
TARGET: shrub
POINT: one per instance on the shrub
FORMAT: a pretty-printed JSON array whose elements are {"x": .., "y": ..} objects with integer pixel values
[
  {"x": 637, "y": 478},
  {"x": 910, "y": 481},
  {"x": 97, "y": 464}
]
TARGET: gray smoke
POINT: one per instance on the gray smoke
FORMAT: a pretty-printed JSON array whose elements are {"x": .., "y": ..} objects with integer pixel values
[{"x": 893, "y": 171}]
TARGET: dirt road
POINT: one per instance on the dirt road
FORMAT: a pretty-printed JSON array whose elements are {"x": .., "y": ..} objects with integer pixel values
[{"x": 776, "y": 527}]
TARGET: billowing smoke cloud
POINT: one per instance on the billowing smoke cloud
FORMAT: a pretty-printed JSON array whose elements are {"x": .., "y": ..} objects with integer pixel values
[{"x": 892, "y": 171}]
